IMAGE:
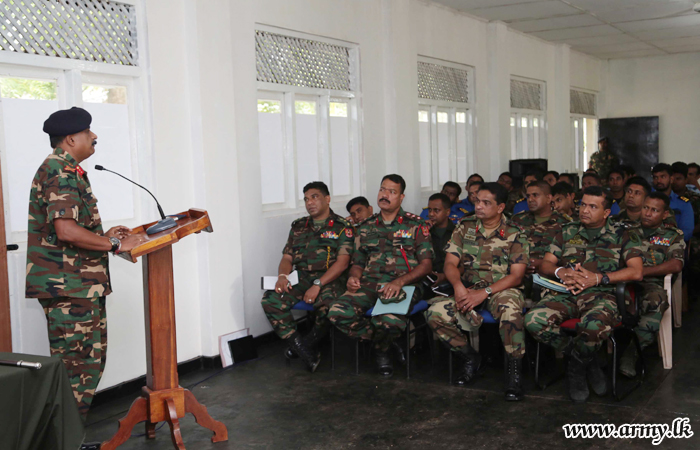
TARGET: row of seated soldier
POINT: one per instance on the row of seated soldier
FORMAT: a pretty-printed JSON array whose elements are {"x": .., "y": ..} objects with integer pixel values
[{"x": 482, "y": 254}]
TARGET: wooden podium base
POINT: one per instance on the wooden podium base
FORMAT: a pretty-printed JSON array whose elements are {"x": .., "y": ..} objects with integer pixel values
[
  {"x": 165, "y": 406},
  {"x": 163, "y": 400}
]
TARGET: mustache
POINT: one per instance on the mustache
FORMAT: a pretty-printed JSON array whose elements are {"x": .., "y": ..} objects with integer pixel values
[{"x": 383, "y": 200}]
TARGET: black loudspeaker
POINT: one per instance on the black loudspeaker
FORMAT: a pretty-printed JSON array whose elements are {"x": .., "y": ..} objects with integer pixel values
[
  {"x": 520, "y": 167},
  {"x": 243, "y": 349}
]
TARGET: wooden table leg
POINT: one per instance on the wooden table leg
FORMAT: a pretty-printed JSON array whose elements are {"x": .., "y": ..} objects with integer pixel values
[
  {"x": 150, "y": 430},
  {"x": 174, "y": 424}
]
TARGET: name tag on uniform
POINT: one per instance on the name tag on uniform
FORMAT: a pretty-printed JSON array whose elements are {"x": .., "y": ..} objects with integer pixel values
[
  {"x": 329, "y": 235},
  {"x": 655, "y": 240},
  {"x": 403, "y": 234}
]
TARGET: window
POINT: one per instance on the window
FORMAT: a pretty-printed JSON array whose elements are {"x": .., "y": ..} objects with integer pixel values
[
  {"x": 528, "y": 126},
  {"x": 445, "y": 122},
  {"x": 584, "y": 127},
  {"x": 307, "y": 117}
]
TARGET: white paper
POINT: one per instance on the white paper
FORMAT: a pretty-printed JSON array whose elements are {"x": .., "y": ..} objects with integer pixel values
[
  {"x": 268, "y": 283},
  {"x": 225, "y": 350}
]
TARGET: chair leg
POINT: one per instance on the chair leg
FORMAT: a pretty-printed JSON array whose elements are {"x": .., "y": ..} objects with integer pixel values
[
  {"x": 614, "y": 364},
  {"x": 332, "y": 348},
  {"x": 450, "y": 368}
]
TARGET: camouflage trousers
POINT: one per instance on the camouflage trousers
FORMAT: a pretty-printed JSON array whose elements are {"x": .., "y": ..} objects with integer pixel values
[
  {"x": 278, "y": 307},
  {"x": 654, "y": 304},
  {"x": 451, "y": 326},
  {"x": 77, "y": 330},
  {"x": 348, "y": 315},
  {"x": 598, "y": 313}
]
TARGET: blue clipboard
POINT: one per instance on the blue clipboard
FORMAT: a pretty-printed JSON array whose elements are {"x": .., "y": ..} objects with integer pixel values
[{"x": 400, "y": 308}]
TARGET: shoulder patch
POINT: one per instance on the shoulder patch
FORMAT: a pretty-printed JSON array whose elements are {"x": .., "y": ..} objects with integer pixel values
[
  {"x": 685, "y": 199},
  {"x": 520, "y": 200},
  {"x": 463, "y": 210}
]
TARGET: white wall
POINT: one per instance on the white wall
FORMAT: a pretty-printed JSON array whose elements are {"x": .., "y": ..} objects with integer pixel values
[
  {"x": 664, "y": 86},
  {"x": 201, "y": 78}
]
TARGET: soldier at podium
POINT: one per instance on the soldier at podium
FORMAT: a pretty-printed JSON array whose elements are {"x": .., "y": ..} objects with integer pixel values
[
  {"x": 67, "y": 262},
  {"x": 319, "y": 247}
]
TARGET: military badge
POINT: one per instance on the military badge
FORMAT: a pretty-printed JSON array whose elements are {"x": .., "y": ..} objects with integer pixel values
[
  {"x": 329, "y": 235},
  {"x": 348, "y": 232},
  {"x": 656, "y": 240},
  {"x": 403, "y": 234},
  {"x": 425, "y": 230}
]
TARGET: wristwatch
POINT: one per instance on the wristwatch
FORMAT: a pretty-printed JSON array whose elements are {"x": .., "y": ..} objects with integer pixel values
[
  {"x": 317, "y": 282},
  {"x": 488, "y": 290},
  {"x": 605, "y": 280},
  {"x": 115, "y": 244}
]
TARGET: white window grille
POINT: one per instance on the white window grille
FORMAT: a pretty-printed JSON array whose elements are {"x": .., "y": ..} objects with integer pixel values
[
  {"x": 528, "y": 124},
  {"x": 307, "y": 117},
  {"x": 88, "y": 30},
  {"x": 583, "y": 103},
  {"x": 445, "y": 122}
]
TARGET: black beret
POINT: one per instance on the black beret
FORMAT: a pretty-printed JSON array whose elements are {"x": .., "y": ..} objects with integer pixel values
[{"x": 67, "y": 121}]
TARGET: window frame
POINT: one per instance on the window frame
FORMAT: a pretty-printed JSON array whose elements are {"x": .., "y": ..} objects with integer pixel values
[
  {"x": 581, "y": 163},
  {"x": 516, "y": 148},
  {"x": 452, "y": 108},
  {"x": 323, "y": 97},
  {"x": 70, "y": 75}
]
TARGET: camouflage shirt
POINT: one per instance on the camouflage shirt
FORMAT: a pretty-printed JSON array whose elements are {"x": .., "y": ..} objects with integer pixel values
[
  {"x": 658, "y": 246},
  {"x": 539, "y": 235},
  {"x": 316, "y": 248},
  {"x": 487, "y": 259},
  {"x": 607, "y": 252},
  {"x": 603, "y": 163},
  {"x": 383, "y": 250},
  {"x": 61, "y": 190},
  {"x": 624, "y": 219}
]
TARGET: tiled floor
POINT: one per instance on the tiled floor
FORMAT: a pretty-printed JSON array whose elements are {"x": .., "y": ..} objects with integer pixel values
[{"x": 268, "y": 403}]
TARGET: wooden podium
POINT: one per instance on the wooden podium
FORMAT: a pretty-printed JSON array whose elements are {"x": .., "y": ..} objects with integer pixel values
[{"x": 163, "y": 399}]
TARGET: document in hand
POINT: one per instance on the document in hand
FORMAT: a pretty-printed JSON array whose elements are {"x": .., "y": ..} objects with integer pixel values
[
  {"x": 549, "y": 284},
  {"x": 268, "y": 283},
  {"x": 395, "y": 308}
]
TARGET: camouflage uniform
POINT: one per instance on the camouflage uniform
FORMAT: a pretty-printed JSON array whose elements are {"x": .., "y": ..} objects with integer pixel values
[
  {"x": 383, "y": 252},
  {"x": 539, "y": 235},
  {"x": 70, "y": 282},
  {"x": 657, "y": 246},
  {"x": 603, "y": 163},
  {"x": 596, "y": 306},
  {"x": 486, "y": 259},
  {"x": 314, "y": 249},
  {"x": 515, "y": 196},
  {"x": 624, "y": 219}
]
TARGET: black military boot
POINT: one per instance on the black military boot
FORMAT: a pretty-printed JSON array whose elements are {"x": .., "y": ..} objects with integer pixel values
[
  {"x": 384, "y": 364},
  {"x": 310, "y": 357},
  {"x": 471, "y": 366},
  {"x": 576, "y": 375},
  {"x": 311, "y": 340},
  {"x": 514, "y": 377},
  {"x": 596, "y": 377},
  {"x": 400, "y": 355}
]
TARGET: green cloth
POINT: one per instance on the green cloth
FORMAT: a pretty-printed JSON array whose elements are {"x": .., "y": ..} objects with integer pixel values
[
  {"x": 591, "y": 233},
  {"x": 38, "y": 408}
]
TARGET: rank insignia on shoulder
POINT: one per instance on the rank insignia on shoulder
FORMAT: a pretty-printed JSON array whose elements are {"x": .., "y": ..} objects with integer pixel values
[
  {"x": 502, "y": 233},
  {"x": 520, "y": 201},
  {"x": 685, "y": 199},
  {"x": 329, "y": 235},
  {"x": 463, "y": 210},
  {"x": 403, "y": 234}
]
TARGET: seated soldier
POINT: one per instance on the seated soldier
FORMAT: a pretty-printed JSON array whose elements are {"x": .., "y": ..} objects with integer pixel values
[
  {"x": 591, "y": 178},
  {"x": 531, "y": 177},
  {"x": 359, "y": 210},
  {"x": 616, "y": 185},
  {"x": 551, "y": 177},
  {"x": 440, "y": 233},
  {"x": 663, "y": 248},
  {"x": 471, "y": 198},
  {"x": 540, "y": 223},
  {"x": 589, "y": 257},
  {"x": 636, "y": 191},
  {"x": 494, "y": 253},
  {"x": 451, "y": 190},
  {"x": 661, "y": 179},
  {"x": 466, "y": 205},
  {"x": 392, "y": 250},
  {"x": 569, "y": 179},
  {"x": 319, "y": 247},
  {"x": 563, "y": 200}
]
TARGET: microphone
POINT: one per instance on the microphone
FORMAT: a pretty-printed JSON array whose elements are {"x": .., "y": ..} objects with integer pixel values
[{"x": 164, "y": 223}]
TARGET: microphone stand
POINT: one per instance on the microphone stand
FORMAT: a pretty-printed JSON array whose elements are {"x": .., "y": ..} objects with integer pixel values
[{"x": 165, "y": 222}]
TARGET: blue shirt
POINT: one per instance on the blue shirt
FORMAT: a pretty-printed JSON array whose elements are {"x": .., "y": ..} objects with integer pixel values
[
  {"x": 684, "y": 215},
  {"x": 520, "y": 206},
  {"x": 455, "y": 213}
]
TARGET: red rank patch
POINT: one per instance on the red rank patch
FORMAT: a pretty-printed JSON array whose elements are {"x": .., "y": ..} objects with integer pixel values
[
  {"x": 330, "y": 224},
  {"x": 400, "y": 219},
  {"x": 503, "y": 233},
  {"x": 79, "y": 170}
]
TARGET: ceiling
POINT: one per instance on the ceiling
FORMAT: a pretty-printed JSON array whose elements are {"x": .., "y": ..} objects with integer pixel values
[{"x": 607, "y": 29}]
